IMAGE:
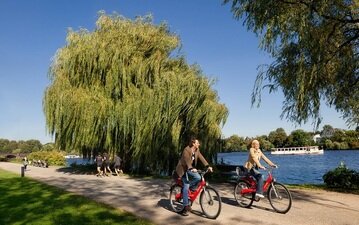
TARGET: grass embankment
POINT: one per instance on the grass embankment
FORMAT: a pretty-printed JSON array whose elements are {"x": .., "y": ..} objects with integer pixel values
[
  {"x": 25, "y": 201},
  {"x": 323, "y": 187}
]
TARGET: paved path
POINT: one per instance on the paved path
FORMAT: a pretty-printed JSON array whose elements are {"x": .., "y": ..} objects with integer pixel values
[{"x": 148, "y": 198}]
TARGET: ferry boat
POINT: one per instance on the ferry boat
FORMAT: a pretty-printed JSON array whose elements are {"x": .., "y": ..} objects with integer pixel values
[
  {"x": 72, "y": 156},
  {"x": 297, "y": 150}
]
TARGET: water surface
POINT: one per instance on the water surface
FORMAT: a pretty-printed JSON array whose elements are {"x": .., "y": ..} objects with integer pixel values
[{"x": 300, "y": 169}]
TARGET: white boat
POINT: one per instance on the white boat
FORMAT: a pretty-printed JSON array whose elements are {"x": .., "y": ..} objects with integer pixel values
[
  {"x": 297, "y": 150},
  {"x": 72, "y": 156}
]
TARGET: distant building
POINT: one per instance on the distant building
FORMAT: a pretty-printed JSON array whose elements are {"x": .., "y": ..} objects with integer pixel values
[{"x": 316, "y": 138}]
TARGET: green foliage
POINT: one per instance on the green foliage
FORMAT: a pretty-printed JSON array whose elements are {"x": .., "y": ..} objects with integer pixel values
[
  {"x": 122, "y": 88},
  {"x": 328, "y": 144},
  {"x": 354, "y": 145},
  {"x": 340, "y": 145},
  {"x": 8, "y": 146},
  {"x": 332, "y": 138},
  {"x": 342, "y": 177},
  {"x": 299, "y": 138},
  {"x": 278, "y": 137},
  {"x": 3, "y": 159},
  {"x": 327, "y": 131},
  {"x": 265, "y": 144},
  {"x": 48, "y": 147},
  {"x": 234, "y": 143},
  {"x": 315, "y": 47},
  {"x": 28, "y": 146},
  {"x": 53, "y": 158}
]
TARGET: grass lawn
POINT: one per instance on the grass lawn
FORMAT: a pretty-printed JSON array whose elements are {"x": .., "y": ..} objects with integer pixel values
[
  {"x": 323, "y": 187},
  {"x": 25, "y": 201}
]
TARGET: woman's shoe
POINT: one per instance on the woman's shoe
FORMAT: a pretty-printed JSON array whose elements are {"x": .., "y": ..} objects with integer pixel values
[{"x": 259, "y": 195}]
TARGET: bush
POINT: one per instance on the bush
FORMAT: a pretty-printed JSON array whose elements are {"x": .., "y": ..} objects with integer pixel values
[
  {"x": 3, "y": 159},
  {"x": 342, "y": 177},
  {"x": 53, "y": 158}
]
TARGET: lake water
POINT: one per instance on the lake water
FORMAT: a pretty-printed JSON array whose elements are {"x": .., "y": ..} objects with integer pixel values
[
  {"x": 300, "y": 169},
  {"x": 78, "y": 161}
]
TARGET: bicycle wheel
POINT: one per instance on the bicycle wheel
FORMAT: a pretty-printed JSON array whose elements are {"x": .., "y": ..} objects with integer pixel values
[
  {"x": 175, "y": 198},
  {"x": 244, "y": 200},
  {"x": 279, "y": 197},
  {"x": 211, "y": 203}
]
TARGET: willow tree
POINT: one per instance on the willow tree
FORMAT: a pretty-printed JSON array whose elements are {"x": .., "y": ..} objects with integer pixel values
[
  {"x": 122, "y": 88},
  {"x": 315, "y": 47}
]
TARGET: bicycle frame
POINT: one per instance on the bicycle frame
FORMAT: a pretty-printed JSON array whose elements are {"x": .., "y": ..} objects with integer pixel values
[
  {"x": 192, "y": 195},
  {"x": 278, "y": 195},
  {"x": 209, "y": 198},
  {"x": 253, "y": 183}
]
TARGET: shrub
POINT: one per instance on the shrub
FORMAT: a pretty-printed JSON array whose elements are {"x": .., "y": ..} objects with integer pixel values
[
  {"x": 342, "y": 177},
  {"x": 53, "y": 158},
  {"x": 3, "y": 159}
]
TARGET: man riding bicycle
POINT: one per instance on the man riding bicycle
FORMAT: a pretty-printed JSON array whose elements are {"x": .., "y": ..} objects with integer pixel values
[{"x": 186, "y": 169}]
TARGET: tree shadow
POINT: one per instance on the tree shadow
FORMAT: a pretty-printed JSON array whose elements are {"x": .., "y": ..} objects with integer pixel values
[{"x": 77, "y": 170}]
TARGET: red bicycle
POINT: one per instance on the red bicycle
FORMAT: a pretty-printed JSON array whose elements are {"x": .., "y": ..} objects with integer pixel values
[
  {"x": 245, "y": 191},
  {"x": 209, "y": 198}
]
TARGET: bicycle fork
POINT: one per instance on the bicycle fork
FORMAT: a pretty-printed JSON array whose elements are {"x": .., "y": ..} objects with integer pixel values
[
  {"x": 275, "y": 191},
  {"x": 207, "y": 196}
]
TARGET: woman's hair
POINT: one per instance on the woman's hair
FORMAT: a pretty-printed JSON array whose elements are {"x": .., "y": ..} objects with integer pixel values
[{"x": 254, "y": 141}]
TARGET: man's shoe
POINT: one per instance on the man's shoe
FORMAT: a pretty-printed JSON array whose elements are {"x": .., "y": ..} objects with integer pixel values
[
  {"x": 186, "y": 210},
  {"x": 184, "y": 213},
  {"x": 259, "y": 195}
]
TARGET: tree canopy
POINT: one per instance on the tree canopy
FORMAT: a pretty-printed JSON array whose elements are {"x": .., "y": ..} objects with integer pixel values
[
  {"x": 122, "y": 88},
  {"x": 315, "y": 47},
  {"x": 278, "y": 137}
]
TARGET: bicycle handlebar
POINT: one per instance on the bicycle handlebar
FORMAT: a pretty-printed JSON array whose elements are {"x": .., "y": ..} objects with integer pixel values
[
  {"x": 203, "y": 172},
  {"x": 271, "y": 167}
]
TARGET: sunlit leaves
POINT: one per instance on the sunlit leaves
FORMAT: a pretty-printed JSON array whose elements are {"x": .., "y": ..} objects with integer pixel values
[
  {"x": 121, "y": 88},
  {"x": 315, "y": 47}
]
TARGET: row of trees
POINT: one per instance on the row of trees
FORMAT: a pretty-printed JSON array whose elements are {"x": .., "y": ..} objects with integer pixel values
[
  {"x": 10, "y": 146},
  {"x": 330, "y": 138},
  {"x": 21, "y": 146}
]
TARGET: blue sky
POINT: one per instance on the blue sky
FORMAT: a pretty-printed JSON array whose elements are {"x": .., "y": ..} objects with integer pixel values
[{"x": 32, "y": 31}]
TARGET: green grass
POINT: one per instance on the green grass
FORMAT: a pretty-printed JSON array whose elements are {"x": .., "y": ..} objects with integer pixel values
[
  {"x": 323, "y": 187},
  {"x": 25, "y": 201}
]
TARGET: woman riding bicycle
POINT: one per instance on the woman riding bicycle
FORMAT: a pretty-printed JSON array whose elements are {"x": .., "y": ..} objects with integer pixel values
[
  {"x": 253, "y": 164},
  {"x": 186, "y": 169}
]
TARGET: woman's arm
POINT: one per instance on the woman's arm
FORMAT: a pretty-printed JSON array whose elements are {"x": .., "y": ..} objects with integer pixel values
[{"x": 267, "y": 160}]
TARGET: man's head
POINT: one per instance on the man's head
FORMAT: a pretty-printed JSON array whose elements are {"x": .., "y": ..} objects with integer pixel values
[{"x": 194, "y": 143}]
